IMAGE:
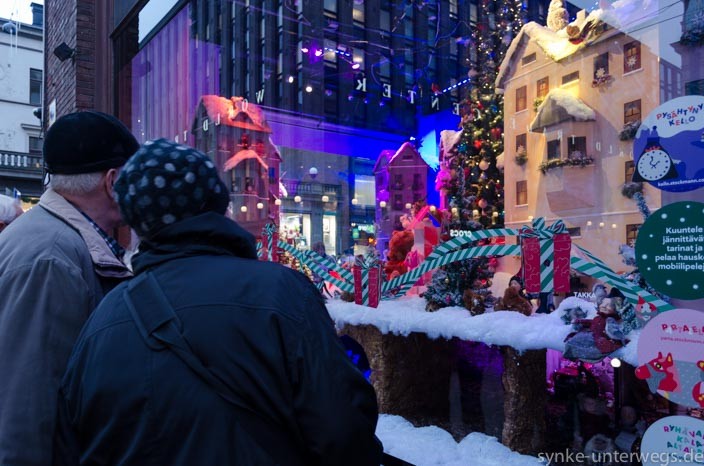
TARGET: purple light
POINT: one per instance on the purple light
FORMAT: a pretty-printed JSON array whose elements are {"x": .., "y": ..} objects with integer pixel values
[
  {"x": 304, "y": 49},
  {"x": 318, "y": 53}
]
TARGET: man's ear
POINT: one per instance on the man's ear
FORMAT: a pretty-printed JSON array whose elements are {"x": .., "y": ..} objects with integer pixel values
[{"x": 110, "y": 179}]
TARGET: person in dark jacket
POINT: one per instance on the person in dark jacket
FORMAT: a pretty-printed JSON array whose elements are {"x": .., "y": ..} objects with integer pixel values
[
  {"x": 282, "y": 391},
  {"x": 57, "y": 261}
]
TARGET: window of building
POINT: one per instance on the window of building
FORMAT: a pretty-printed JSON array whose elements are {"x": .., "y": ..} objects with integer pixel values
[
  {"x": 364, "y": 190},
  {"x": 417, "y": 183},
  {"x": 631, "y": 56},
  {"x": 521, "y": 98},
  {"x": 576, "y": 147},
  {"x": 631, "y": 111},
  {"x": 398, "y": 181},
  {"x": 554, "y": 149},
  {"x": 35, "y": 145},
  {"x": 543, "y": 87},
  {"x": 528, "y": 59},
  {"x": 632, "y": 233},
  {"x": 330, "y": 5},
  {"x": 35, "y": 86},
  {"x": 385, "y": 20},
  {"x": 568, "y": 78},
  {"x": 521, "y": 142},
  {"x": 453, "y": 8},
  {"x": 472, "y": 12},
  {"x": 630, "y": 169},
  {"x": 358, "y": 12},
  {"x": 601, "y": 66},
  {"x": 522, "y": 192},
  {"x": 575, "y": 232},
  {"x": 694, "y": 87},
  {"x": 398, "y": 202}
]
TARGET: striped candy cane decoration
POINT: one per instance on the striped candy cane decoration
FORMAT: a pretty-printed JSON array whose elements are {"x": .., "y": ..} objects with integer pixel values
[
  {"x": 469, "y": 237},
  {"x": 305, "y": 258}
]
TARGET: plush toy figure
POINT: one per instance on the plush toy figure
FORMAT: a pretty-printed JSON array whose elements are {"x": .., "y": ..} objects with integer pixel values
[
  {"x": 513, "y": 301},
  {"x": 400, "y": 245},
  {"x": 474, "y": 302}
]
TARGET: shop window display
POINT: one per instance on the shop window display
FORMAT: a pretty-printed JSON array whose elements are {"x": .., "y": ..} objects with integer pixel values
[{"x": 354, "y": 127}]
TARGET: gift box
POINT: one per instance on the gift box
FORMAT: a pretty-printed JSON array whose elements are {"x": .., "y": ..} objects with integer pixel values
[
  {"x": 367, "y": 281},
  {"x": 545, "y": 253}
]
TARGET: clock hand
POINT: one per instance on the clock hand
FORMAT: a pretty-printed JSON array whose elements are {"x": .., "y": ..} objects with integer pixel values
[{"x": 655, "y": 164}]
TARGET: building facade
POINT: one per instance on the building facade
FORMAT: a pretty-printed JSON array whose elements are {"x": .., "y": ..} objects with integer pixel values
[
  {"x": 21, "y": 84},
  {"x": 572, "y": 109}
]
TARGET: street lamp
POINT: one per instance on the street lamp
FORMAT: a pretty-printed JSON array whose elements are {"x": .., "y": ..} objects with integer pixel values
[
  {"x": 382, "y": 204},
  {"x": 243, "y": 208},
  {"x": 325, "y": 198},
  {"x": 354, "y": 201},
  {"x": 297, "y": 199},
  {"x": 260, "y": 205}
]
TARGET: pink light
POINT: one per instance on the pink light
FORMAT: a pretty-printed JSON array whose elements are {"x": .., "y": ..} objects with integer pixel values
[
  {"x": 304, "y": 49},
  {"x": 318, "y": 53},
  {"x": 355, "y": 66}
]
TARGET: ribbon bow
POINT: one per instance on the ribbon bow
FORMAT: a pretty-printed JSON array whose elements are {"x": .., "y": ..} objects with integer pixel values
[
  {"x": 367, "y": 262},
  {"x": 539, "y": 230}
]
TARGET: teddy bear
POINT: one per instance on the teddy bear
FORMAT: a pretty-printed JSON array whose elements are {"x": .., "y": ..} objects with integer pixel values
[
  {"x": 513, "y": 301},
  {"x": 400, "y": 245}
]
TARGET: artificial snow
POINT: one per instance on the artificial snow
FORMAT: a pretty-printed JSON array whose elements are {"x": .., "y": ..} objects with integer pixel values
[
  {"x": 572, "y": 106},
  {"x": 500, "y": 161},
  {"x": 622, "y": 15},
  {"x": 425, "y": 446},
  {"x": 406, "y": 315}
]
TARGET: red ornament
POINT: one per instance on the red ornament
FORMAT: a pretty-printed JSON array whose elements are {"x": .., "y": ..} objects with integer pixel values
[
  {"x": 496, "y": 133},
  {"x": 478, "y": 144}
]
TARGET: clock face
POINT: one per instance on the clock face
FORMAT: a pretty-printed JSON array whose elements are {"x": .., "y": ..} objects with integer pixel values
[{"x": 654, "y": 164}]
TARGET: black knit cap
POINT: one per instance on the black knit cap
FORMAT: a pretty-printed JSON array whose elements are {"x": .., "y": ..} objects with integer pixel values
[
  {"x": 164, "y": 183},
  {"x": 87, "y": 142}
]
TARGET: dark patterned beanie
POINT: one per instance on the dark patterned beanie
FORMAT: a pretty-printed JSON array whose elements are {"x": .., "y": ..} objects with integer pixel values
[{"x": 165, "y": 182}]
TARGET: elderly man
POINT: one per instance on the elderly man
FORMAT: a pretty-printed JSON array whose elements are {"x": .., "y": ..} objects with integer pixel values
[
  {"x": 208, "y": 356},
  {"x": 57, "y": 261},
  {"x": 10, "y": 209}
]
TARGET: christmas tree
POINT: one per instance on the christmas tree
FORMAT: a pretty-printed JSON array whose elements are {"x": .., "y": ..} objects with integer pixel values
[{"x": 472, "y": 179}]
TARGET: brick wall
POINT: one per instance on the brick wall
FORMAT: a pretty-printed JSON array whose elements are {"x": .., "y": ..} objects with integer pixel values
[{"x": 84, "y": 82}]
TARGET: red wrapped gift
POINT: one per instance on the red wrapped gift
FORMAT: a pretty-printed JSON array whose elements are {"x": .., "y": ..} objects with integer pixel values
[
  {"x": 367, "y": 281},
  {"x": 546, "y": 257}
]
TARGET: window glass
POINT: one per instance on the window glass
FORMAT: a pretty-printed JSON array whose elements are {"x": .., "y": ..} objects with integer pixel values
[
  {"x": 35, "y": 87},
  {"x": 298, "y": 101}
]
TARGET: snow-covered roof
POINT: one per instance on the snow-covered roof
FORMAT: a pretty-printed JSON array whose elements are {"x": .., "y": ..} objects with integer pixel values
[
  {"x": 244, "y": 154},
  {"x": 507, "y": 328},
  {"x": 449, "y": 139},
  {"x": 388, "y": 157},
  {"x": 235, "y": 112},
  {"x": 557, "y": 45},
  {"x": 560, "y": 105}
]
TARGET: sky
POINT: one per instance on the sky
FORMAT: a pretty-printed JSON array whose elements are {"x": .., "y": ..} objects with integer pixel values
[{"x": 18, "y": 9}]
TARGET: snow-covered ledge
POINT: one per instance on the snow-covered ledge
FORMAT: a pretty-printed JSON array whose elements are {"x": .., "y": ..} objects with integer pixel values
[
  {"x": 505, "y": 328},
  {"x": 425, "y": 446}
]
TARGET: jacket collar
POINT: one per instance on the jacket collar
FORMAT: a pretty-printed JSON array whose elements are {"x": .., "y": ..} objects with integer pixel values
[
  {"x": 106, "y": 264},
  {"x": 205, "y": 234}
]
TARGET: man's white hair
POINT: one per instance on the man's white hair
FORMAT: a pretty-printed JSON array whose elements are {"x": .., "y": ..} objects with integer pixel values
[
  {"x": 9, "y": 209},
  {"x": 76, "y": 185}
]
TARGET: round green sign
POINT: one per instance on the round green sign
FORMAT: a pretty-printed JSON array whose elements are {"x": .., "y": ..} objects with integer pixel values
[{"x": 670, "y": 250}]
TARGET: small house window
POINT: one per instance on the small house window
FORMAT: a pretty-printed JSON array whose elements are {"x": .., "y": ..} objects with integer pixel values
[
  {"x": 632, "y": 233},
  {"x": 554, "y": 149},
  {"x": 521, "y": 192},
  {"x": 568, "y": 78},
  {"x": 630, "y": 169},
  {"x": 528, "y": 59},
  {"x": 631, "y": 56},
  {"x": 543, "y": 87},
  {"x": 576, "y": 147},
  {"x": 631, "y": 111},
  {"x": 601, "y": 66},
  {"x": 521, "y": 143},
  {"x": 575, "y": 232},
  {"x": 521, "y": 98}
]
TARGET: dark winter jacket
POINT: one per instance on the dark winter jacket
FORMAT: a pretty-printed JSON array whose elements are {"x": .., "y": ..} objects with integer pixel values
[
  {"x": 261, "y": 328},
  {"x": 54, "y": 270}
]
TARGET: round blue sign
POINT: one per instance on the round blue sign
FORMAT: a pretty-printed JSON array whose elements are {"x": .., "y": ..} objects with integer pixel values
[{"x": 669, "y": 148}]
